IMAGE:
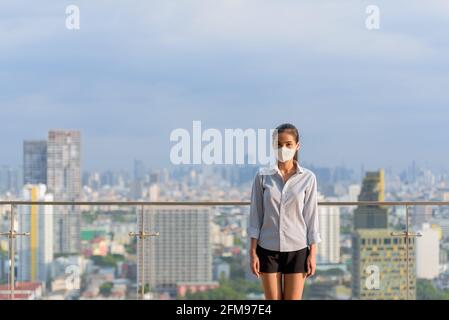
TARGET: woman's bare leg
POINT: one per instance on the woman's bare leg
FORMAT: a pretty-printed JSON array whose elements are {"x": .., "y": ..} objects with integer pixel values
[
  {"x": 294, "y": 285},
  {"x": 272, "y": 285}
]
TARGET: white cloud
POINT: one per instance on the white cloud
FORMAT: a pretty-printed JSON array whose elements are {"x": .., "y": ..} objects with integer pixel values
[
  {"x": 313, "y": 27},
  {"x": 133, "y": 70}
]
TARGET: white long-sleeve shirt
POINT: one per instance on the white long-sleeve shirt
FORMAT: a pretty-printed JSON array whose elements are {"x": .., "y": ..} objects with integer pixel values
[{"x": 284, "y": 216}]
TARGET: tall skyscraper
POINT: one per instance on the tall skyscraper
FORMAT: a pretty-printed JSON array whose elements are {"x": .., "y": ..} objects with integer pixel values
[
  {"x": 182, "y": 252},
  {"x": 35, "y": 251},
  {"x": 421, "y": 214},
  {"x": 34, "y": 162},
  {"x": 380, "y": 266},
  {"x": 11, "y": 179},
  {"x": 138, "y": 179},
  {"x": 373, "y": 216},
  {"x": 64, "y": 182},
  {"x": 328, "y": 250},
  {"x": 379, "y": 260},
  {"x": 428, "y": 252}
]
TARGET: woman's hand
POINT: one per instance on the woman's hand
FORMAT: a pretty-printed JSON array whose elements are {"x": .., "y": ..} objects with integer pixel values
[
  {"x": 311, "y": 262},
  {"x": 255, "y": 264}
]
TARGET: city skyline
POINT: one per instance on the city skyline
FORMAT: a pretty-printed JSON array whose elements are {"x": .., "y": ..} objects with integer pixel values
[{"x": 38, "y": 146}]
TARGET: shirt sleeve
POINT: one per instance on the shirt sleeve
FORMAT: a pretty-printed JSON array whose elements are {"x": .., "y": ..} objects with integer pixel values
[
  {"x": 256, "y": 208},
  {"x": 311, "y": 213}
]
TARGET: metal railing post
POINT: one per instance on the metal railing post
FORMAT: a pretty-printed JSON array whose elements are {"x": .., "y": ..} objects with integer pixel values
[
  {"x": 12, "y": 254},
  {"x": 142, "y": 255},
  {"x": 12, "y": 234},
  {"x": 142, "y": 235},
  {"x": 407, "y": 235},
  {"x": 407, "y": 214}
]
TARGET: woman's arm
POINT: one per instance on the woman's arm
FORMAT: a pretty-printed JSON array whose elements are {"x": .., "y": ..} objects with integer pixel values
[
  {"x": 310, "y": 213},
  {"x": 255, "y": 222},
  {"x": 311, "y": 260},
  {"x": 256, "y": 209},
  {"x": 252, "y": 250},
  {"x": 311, "y": 218},
  {"x": 254, "y": 259}
]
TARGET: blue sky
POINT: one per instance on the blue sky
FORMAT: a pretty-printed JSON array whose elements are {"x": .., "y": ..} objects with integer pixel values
[{"x": 133, "y": 73}]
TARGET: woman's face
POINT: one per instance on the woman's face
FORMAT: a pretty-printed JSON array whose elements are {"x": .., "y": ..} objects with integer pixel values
[{"x": 286, "y": 139}]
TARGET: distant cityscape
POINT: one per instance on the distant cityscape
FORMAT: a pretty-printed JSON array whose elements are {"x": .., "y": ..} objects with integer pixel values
[{"x": 87, "y": 252}]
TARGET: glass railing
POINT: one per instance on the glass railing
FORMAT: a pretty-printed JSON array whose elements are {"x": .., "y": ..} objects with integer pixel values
[{"x": 199, "y": 250}]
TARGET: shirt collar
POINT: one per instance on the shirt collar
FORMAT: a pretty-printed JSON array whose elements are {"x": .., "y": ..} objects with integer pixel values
[{"x": 274, "y": 168}]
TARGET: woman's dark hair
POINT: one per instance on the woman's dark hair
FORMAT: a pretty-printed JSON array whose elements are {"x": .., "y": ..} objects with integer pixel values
[{"x": 288, "y": 128}]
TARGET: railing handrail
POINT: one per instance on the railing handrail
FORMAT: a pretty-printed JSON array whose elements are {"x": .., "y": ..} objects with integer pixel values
[{"x": 220, "y": 203}]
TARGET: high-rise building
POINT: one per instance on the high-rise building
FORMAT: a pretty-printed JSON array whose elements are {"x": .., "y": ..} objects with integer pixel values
[
  {"x": 379, "y": 269},
  {"x": 380, "y": 261},
  {"x": 64, "y": 182},
  {"x": 10, "y": 179},
  {"x": 34, "y": 162},
  {"x": 139, "y": 170},
  {"x": 138, "y": 179},
  {"x": 154, "y": 177},
  {"x": 372, "y": 216},
  {"x": 36, "y": 250},
  {"x": 182, "y": 252},
  {"x": 443, "y": 225},
  {"x": 153, "y": 192},
  {"x": 421, "y": 214},
  {"x": 353, "y": 192},
  {"x": 3, "y": 259},
  {"x": 328, "y": 250},
  {"x": 428, "y": 252}
]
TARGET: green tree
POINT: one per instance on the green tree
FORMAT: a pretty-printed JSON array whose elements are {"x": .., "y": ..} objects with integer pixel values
[
  {"x": 330, "y": 272},
  {"x": 109, "y": 260},
  {"x": 106, "y": 289},
  {"x": 131, "y": 248},
  {"x": 425, "y": 290},
  {"x": 146, "y": 288},
  {"x": 237, "y": 241},
  {"x": 237, "y": 266}
]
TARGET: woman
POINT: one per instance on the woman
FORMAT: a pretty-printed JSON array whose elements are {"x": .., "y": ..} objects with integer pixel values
[{"x": 283, "y": 224}]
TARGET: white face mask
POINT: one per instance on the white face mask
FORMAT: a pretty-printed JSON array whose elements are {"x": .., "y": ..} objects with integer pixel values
[{"x": 284, "y": 154}]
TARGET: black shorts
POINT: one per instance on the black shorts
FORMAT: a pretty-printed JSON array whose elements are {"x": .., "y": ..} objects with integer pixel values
[{"x": 285, "y": 262}]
